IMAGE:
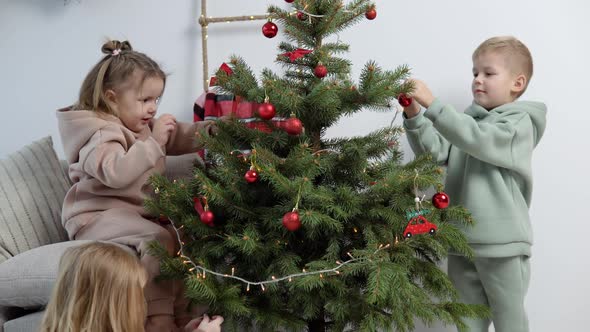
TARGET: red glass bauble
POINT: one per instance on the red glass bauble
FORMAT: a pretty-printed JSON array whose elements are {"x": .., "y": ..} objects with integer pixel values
[
  {"x": 440, "y": 200},
  {"x": 371, "y": 14},
  {"x": 251, "y": 176},
  {"x": 404, "y": 100},
  {"x": 301, "y": 16},
  {"x": 293, "y": 126},
  {"x": 266, "y": 111},
  {"x": 269, "y": 29},
  {"x": 320, "y": 71},
  {"x": 207, "y": 217},
  {"x": 291, "y": 221},
  {"x": 289, "y": 1}
]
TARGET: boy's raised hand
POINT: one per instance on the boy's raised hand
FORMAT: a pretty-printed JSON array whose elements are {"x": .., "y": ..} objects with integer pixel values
[
  {"x": 162, "y": 127},
  {"x": 421, "y": 93}
]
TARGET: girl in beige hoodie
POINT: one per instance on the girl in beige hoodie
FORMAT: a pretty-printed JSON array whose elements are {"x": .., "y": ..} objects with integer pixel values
[{"x": 114, "y": 143}]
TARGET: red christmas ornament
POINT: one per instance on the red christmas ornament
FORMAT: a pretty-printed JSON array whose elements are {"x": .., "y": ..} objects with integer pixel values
[
  {"x": 320, "y": 71},
  {"x": 266, "y": 110},
  {"x": 371, "y": 14},
  {"x": 293, "y": 126},
  {"x": 289, "y": 1},
  {"x": 291, "y": 221},
  {"x": 207, "y": 217},
  {"x": 419, "y": 225},
  {"x": 404, "y": 100},
  {"x": 301, "y": 16},
  {"x": 440, "y": 200},
  {"x": 269, "y": 29},
  {"x": 251, "y": 176}
]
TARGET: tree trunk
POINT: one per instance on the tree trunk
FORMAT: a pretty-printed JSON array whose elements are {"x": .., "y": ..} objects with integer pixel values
[{"x": 317, "y": 325}]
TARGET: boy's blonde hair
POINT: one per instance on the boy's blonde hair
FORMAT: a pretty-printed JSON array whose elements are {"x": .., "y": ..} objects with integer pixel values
[
  {"x": 518, "y": 56},
  {"x": 115, "y": 71},
  {"x": 99, "y": 289}
]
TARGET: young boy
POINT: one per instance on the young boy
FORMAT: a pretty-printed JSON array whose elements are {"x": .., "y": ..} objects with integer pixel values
[{"x": 488, "y": 150}]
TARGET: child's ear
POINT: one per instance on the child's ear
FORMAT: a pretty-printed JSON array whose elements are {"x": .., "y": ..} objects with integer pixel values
[
  {"x": 519, "y": 83},
  {"x": 110, "y": 97}
]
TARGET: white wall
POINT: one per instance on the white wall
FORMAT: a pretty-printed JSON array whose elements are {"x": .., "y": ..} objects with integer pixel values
[{"x": 47, "y": 47}]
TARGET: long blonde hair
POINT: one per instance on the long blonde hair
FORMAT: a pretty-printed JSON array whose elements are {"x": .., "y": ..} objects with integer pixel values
[
  {"x": 115, "y": 72},
  {"x": 99, "y": 289}
]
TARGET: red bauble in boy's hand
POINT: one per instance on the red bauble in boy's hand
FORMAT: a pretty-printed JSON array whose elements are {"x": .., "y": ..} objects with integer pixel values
[
  {"x": 404, "y": 100},
  {"x": 291, "y": 221},
  {"x": 440, "y": 200},
  {"x": 266, "y": 111},
  {"x": 269, "y": 29}
]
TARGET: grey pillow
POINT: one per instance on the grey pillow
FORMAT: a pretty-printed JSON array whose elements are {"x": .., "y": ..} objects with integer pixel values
[
  {"x": 32, "y": 190},
  {"x": 27, "y": 280}
]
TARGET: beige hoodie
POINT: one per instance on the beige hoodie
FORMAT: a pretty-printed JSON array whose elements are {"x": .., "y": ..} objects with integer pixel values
[{"x": 110, "y": 164}]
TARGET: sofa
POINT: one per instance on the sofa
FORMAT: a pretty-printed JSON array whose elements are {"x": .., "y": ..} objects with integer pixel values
[{"x": 33, "y": 184}]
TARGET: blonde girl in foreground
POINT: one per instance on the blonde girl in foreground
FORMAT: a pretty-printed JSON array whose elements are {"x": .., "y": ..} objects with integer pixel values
[{"x": 100, "y": 289}]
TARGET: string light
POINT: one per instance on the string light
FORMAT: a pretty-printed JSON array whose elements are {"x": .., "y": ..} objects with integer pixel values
[{"x": 201, "y": 271}]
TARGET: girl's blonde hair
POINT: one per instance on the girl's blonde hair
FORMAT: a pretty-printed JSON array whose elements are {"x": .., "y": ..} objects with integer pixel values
[
  {"x": 99, "y": 289},
  {"x": 115, "y": 71},
  {"x": 517, "y": 54}
]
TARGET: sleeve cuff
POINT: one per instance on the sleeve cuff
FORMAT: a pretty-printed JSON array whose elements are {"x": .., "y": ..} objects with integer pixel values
[
  {"x": 415, "y": 122},
  {"x": 434, "y": 110}
]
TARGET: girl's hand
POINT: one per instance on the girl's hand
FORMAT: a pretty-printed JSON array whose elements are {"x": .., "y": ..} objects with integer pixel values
[
  {"x": 204, "y": 324},
  {"x": 421, "y": 93},
  {"x": 163, "y": 127}
]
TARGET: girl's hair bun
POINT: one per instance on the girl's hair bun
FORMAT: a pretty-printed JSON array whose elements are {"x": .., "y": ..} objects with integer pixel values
[{"x": 114, "y": 47}]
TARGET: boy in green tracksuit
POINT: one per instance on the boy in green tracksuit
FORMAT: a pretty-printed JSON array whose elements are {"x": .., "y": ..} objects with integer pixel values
[{"x": 488, "y": 150}]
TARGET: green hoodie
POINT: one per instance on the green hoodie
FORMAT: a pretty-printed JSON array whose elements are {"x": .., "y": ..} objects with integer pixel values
[{"x": 488, "y": 156}]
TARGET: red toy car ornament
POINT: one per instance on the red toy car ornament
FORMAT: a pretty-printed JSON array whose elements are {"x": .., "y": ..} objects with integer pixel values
[{"x": 419, "y": 225}]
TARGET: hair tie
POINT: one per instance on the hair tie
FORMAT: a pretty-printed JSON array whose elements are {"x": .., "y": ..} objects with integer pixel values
[{"x": 116, "y": 51}]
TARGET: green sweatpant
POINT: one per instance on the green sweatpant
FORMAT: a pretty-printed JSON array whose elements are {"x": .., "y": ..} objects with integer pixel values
[{"x": 501, "y": 283}]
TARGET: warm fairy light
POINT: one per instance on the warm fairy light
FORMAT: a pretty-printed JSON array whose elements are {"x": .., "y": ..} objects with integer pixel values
[{"x": 201, "y": 271}]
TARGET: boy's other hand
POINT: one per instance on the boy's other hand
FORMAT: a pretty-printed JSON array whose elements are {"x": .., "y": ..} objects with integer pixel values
[{"x": 421, "y": 93}]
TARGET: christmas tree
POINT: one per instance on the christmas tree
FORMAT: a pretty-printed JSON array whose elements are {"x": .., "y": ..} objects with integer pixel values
[{"x": 287, "y": 230}]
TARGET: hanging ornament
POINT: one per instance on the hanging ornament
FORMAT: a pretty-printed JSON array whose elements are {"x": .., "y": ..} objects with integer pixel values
[
  {"x": 269, "y": 29},
  {"x": 266, "y": 110},
  {"x": 301, "y": 16},
  {"x": 293, "y": 126},
  {"x": 296, "y": 54},
  {"x": 251, "y": 175},
  {"x": 320, "y": 71},
  {"x": 419, "y": 225},
  {"x": 371, "y": 14},
  {"x": 291, "y": 220},
  {"x": 289, "y": 1},
  {"x": 207, "y": 217},
  {"x": 404, "y": 100},
  {"x": 440, "y": 200}
]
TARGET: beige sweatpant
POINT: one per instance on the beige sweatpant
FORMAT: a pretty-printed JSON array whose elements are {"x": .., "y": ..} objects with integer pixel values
[{"x": 127, "y": 227}]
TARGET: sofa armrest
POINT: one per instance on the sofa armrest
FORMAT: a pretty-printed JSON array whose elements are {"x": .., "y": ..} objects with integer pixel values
[{"x": 9, "y": 313}]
